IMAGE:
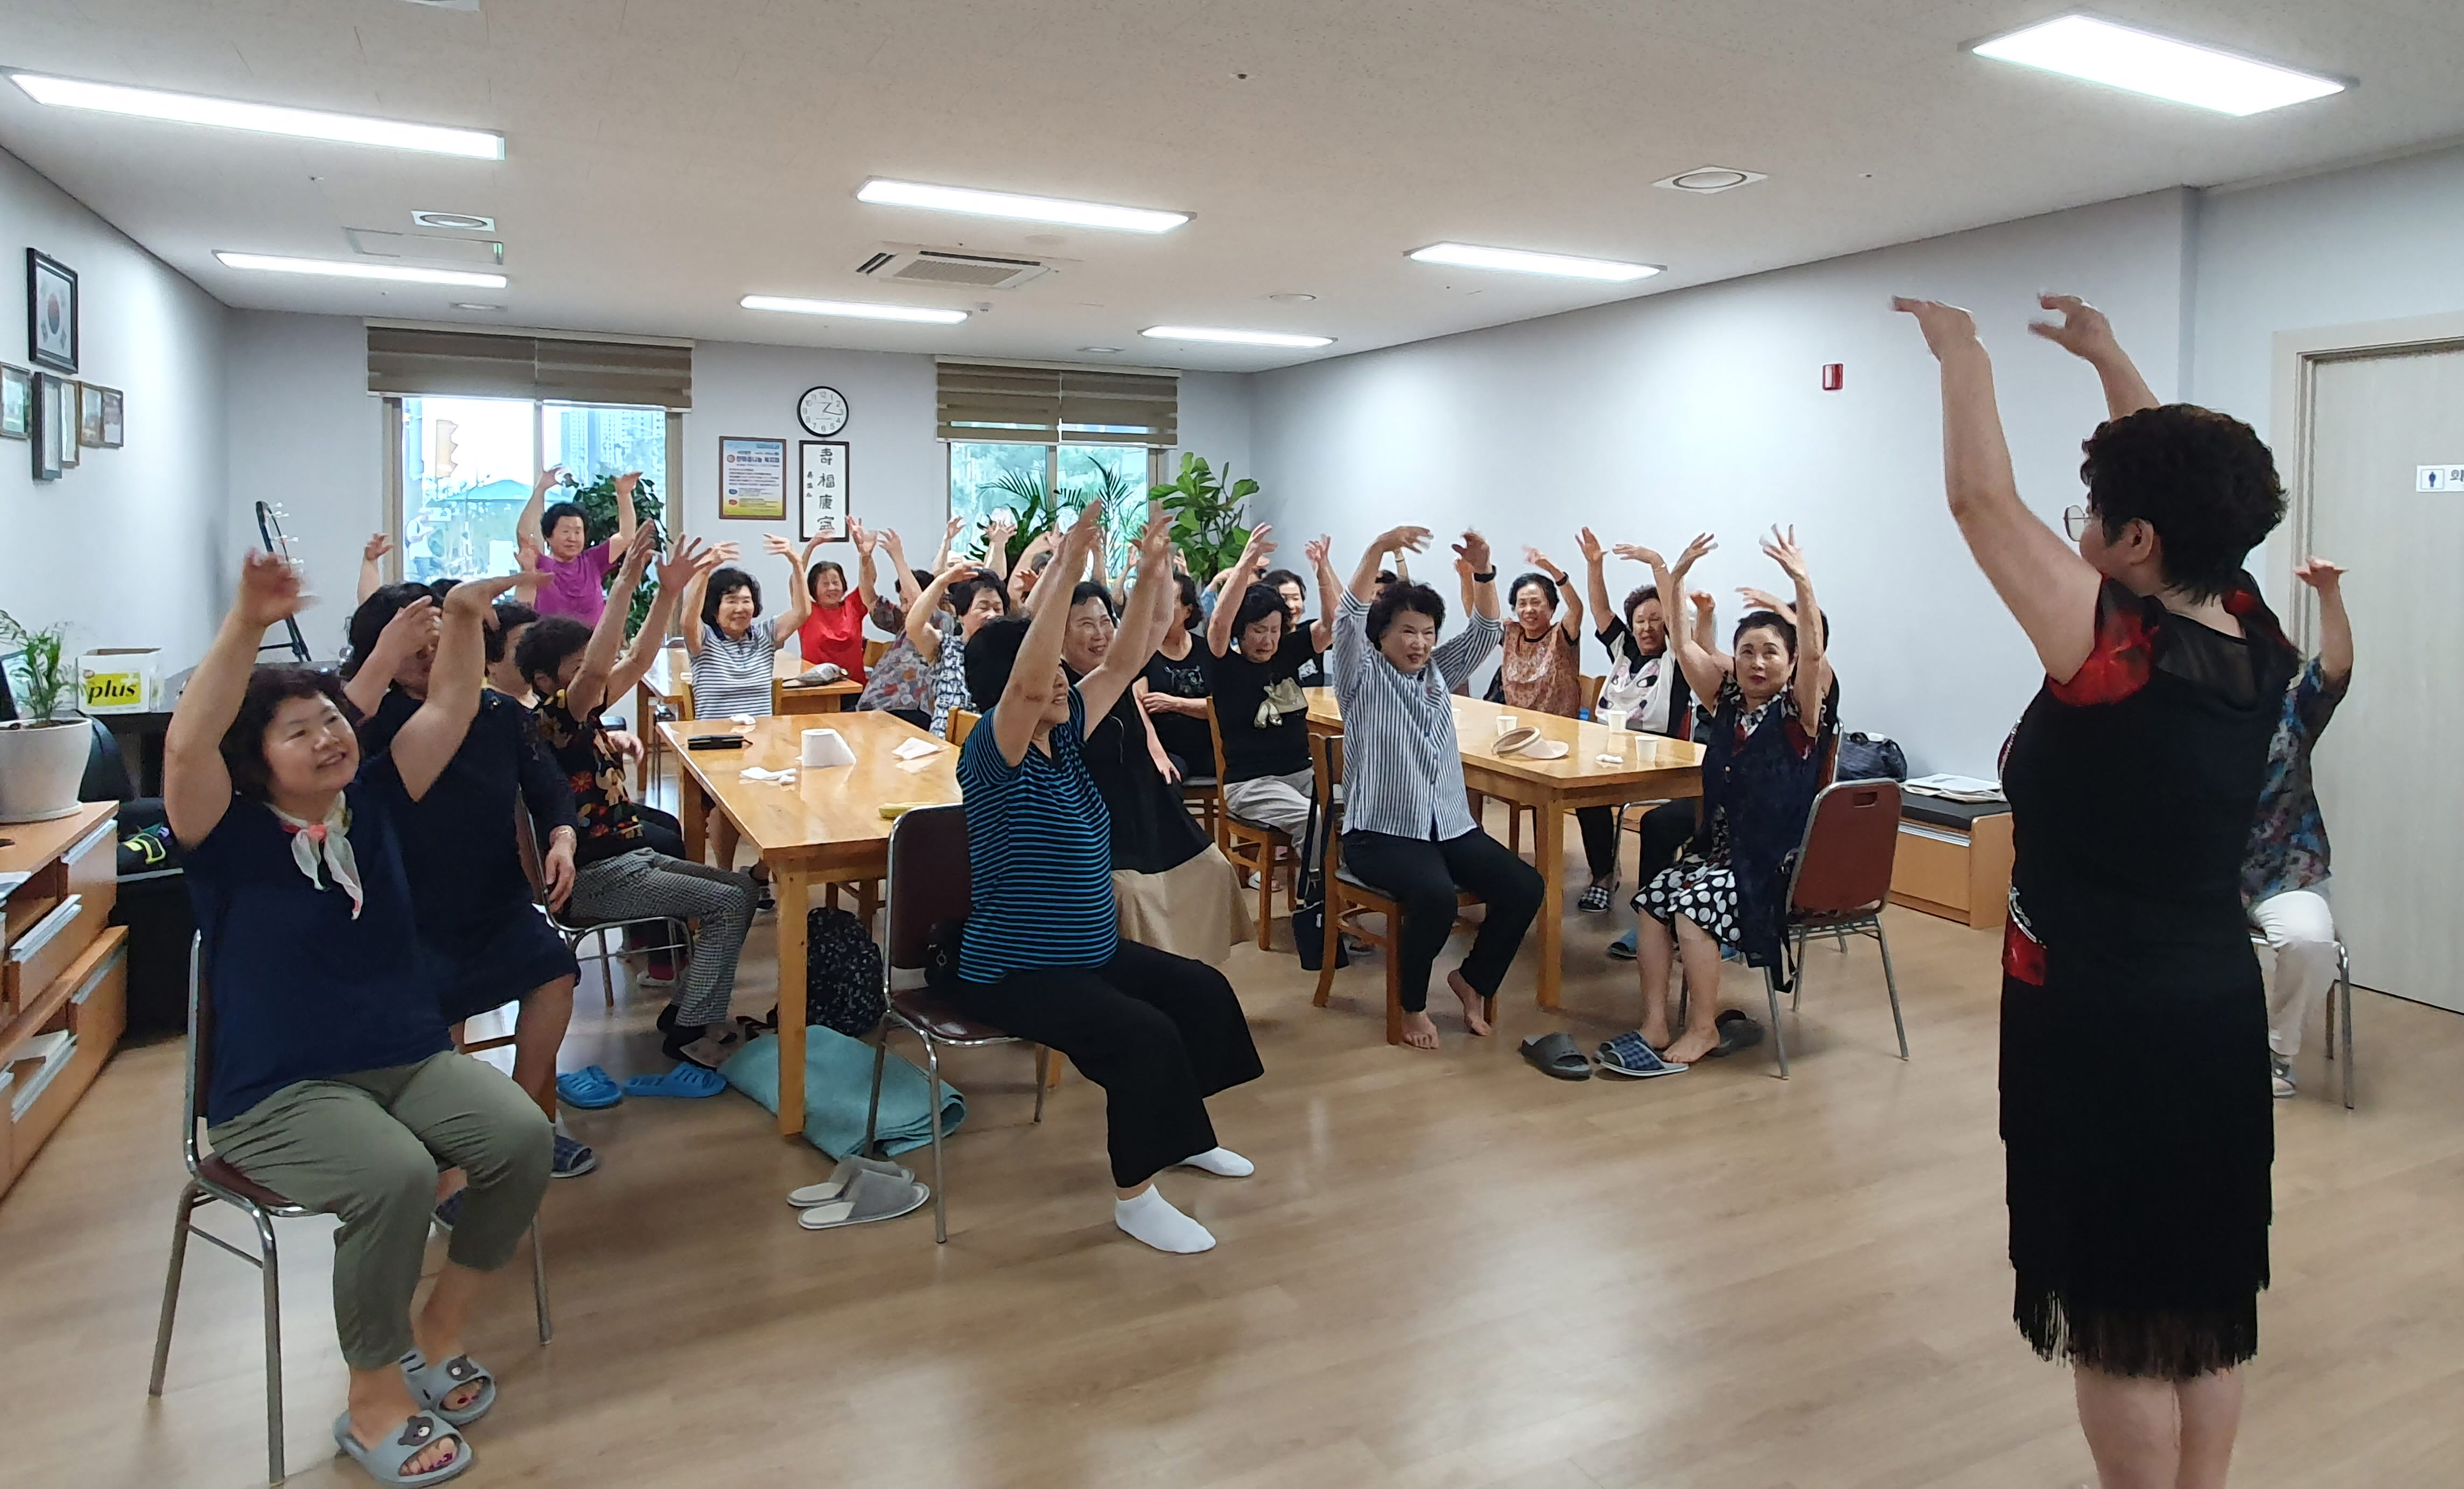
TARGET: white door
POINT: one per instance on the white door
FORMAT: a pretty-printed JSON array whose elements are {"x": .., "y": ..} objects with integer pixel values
[{"x": 2386, "y": 767}]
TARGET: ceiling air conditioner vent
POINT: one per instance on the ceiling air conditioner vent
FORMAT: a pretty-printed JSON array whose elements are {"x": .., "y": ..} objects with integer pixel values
[{"x": 949, "y": 267}]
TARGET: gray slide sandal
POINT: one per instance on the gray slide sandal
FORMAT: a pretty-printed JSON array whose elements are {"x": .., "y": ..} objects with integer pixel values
[
  {"x": 835, "y": 1185},
  {"x": 870, "y": 1196},
  {"x": 383, "y": 1461}
]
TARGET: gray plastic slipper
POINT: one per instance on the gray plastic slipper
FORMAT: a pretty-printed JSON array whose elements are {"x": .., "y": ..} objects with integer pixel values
[
  {"x": 1738, "y": 1031},
  {"x": 383, "y": 1461},
  {"x": 870, "y": 1196},
  {"x": 835, "y": 1185},
  {"x": 431, "y": 1384},
  {"x": 1556, "y": 1055}
]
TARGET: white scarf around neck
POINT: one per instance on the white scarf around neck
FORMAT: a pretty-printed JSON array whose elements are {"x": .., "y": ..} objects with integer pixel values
[{"x": 327, "y": 842}]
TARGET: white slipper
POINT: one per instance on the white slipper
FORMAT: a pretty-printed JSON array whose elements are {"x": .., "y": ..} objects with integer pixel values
[
  {"x": 842, "y": 1176},
  {"x": 870, "y": 1196}
]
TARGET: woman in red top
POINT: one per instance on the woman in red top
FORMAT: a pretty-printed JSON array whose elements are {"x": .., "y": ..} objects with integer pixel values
[{"x": 834, "y": 632}]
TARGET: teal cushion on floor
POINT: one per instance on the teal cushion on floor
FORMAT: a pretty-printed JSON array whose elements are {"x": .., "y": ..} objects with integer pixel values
[{"x": 838, "y": 1086}]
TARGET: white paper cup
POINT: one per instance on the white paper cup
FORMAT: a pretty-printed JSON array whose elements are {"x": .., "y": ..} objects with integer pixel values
[{"x": 1505, "y": 725}]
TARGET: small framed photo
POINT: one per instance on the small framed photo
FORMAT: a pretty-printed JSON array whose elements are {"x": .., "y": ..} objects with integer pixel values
[
  {"x": 50, "y": 425},
  {"x": 16, "y": 402},
  {"x": 90, "y": 397},
  {"x": 50, "y": 312},
  {"x": 115, "y": 419},
  {"x": 70, "y": 389}
]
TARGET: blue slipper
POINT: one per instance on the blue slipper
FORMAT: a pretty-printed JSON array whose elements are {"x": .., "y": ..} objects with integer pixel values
[
  {"x": 687, "y": 1080},
  {"x": 590, "y": 1088}
]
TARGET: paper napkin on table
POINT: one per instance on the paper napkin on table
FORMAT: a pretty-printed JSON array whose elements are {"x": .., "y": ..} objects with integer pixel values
[
  {"x": 917, "y": 748},
  {"x": 756, "y": 773}
]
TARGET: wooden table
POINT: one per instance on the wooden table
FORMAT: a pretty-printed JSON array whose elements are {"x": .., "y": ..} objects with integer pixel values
[
  {"x": 669, "y": 682},
  {"x": 1651, "y": 768},
  {"x": 824, "y": 827}
]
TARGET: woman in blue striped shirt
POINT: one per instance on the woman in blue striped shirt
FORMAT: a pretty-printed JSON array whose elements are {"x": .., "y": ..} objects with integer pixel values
[
  {"x": 1041, "y": 957},
  {"x": 1406, "y": 826}
]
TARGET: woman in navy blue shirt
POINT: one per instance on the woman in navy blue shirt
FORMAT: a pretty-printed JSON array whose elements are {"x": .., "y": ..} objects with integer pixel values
[
  {"x": 1041, "y": 957},
  {"x": 333, "y": 1082}
]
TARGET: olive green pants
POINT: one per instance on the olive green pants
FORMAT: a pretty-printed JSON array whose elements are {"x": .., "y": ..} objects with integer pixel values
[{"x": 368, "y": 1146}]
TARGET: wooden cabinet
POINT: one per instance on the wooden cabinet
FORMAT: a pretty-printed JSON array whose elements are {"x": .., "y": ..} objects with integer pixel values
[
  {"x": 64, "y": 990},
  {"x": 1954, "y": 860}
]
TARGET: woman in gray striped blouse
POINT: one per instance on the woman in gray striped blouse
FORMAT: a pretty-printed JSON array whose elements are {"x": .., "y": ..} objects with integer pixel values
[
  {"x": 1407, "y": 828},
  {"x": 733, "y": 648}
]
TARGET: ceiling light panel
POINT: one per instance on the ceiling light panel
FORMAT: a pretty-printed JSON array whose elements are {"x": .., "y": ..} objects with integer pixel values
[
  {"x": 1517, "y": 261},
  {"x": 1710, "y": 180},
  {"x": 268, "y": 263},
  {"x": 855, "y": 310},
  {"x": 2120, "y": 57},
  {"x": 1235, "y": 338},
  {"x": 187, "y": 108},
  {"x": 881, "y": 192}
]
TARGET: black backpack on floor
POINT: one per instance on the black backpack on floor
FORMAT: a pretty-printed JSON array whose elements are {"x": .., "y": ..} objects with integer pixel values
[{"x": 841, "y": 974}]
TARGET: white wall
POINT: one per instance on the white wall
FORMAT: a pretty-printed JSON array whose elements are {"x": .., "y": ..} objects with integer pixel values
[
  {"x": 306, "y": 437},
  {"x": 125, "y": 547},
  {"x": 1654, "y": 418}
]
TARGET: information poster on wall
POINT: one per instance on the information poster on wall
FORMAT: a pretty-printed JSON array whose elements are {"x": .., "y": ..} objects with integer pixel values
[
  {"x": 825, "y": 466},
  {"x": 753, "y": 479}
]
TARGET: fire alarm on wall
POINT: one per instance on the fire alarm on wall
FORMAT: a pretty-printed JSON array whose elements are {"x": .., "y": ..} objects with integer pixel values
[{"x": 1835, "y": 375}]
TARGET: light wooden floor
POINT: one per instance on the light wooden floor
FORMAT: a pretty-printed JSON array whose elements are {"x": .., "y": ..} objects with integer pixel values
[{"x": 1448, "y": 1272}]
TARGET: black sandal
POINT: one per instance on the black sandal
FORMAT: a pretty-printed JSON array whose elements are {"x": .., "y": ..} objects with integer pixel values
[{"x": 1556, "y": 1055}]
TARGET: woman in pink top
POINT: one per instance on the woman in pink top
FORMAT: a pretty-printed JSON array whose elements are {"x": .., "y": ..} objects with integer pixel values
[
  {"x": 834, "y": 632},
  {"x": 577, "y": 570}
]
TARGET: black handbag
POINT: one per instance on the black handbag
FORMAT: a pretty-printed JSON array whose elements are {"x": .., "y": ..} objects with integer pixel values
[{"x": 1866, "y": 757}]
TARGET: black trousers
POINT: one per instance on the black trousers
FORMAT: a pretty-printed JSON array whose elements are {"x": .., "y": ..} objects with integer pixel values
[
  {"x": 1666, "y": 829},
  {"x": 1159, "y": 1033},
  {"x": 1600, "y": 825},
  {"x": 1424, "y": 876},
  {"x": 661, "y": 830}
]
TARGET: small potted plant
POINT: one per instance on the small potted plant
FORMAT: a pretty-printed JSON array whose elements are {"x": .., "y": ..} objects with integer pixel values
[{"x": 42, "y": 756}]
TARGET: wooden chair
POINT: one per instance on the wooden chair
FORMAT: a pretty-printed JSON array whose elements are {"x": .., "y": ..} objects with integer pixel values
[
  {"x": 962, "y": 724},
  {"x": 1252, "y": 847},
  {"x": 930, "y": 887},
  {"x": 1841, "y": 882},
  {"x": 1347, "y": 896},
  {"x": 211, "y": 1180},
  {"x": 873, "y": 652},
  {"x": 1591, "y": 687}
]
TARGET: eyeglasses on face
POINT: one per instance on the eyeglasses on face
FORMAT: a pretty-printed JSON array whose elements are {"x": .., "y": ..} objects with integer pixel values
[{"x": 2074, "y": 522}]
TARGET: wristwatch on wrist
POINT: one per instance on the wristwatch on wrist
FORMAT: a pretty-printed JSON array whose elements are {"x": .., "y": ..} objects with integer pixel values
[{"x": 1486, "y": 577}]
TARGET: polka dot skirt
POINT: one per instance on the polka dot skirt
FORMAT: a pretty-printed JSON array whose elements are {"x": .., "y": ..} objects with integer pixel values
[{"x": 1705, "y": 894}]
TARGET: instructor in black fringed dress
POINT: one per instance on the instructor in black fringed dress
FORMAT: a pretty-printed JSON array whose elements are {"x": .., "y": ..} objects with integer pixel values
[{"x": 2136, "y": 1113}]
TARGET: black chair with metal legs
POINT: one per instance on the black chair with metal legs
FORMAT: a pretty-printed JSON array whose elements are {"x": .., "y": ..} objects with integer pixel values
[
  {"x": 210, "y": 1180},
  {"x": 929, "y": 889},
  {"x": 577, "y": 932},
  {"x": 1839, "y": 885}
]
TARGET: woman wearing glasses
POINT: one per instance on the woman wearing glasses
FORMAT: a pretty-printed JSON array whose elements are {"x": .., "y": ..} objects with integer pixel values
[{"x": 2135, "y": 1107}]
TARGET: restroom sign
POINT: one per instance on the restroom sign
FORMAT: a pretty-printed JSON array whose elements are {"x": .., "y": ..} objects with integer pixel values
[{"x": 2438, "y": 479}]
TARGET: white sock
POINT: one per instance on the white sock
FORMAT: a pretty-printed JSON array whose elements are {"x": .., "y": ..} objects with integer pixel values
[
  {"x": 1152, "y": 1218},
  {"x": 1221, "y": 1161}
]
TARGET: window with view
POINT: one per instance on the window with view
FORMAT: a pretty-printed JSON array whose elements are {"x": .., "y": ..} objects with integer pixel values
[
  {"x": 1031, "y": 483},
  {"x": 468, "y": 464}
]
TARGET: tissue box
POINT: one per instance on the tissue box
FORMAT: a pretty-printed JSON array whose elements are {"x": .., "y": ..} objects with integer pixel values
[{"x": 121, "y": 680}]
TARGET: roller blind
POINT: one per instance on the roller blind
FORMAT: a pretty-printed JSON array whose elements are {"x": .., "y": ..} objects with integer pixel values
[
  {"x": 1027, "y": 404},
  {"x": 411, "y": 361}
]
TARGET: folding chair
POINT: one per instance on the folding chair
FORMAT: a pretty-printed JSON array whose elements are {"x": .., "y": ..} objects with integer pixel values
[
  {"x": 1253, "y": 847},
  {"x": 1348, "y": 895},
  {"x": 1840, "y": 882},
  {"x": 930, "y": 887},
  {"x": 210, "y": 1180},
  {"x": 2344, "y": 994}
]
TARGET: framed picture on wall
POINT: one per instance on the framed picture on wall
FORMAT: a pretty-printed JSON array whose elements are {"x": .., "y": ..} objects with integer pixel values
[
  {"x": 50, "y": 312},
  {"x": 16, "y": 402},
  {"x": 115, "y": 419},
  {"x": 90, "y": 397},
  {"x": 823, "y": 512},
  {"x": 70, "y": 391},
  {"x": 753, "y": 479},
  {"x": 50, "y": 424}
]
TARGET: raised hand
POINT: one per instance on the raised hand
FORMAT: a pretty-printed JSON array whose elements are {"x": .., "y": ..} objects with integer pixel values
[
  {"x": 1316, "y": 549},
  {"x": 1403, "y": 540},
  {"x": 1635, "y": 553},
  {"x": 550, "y": 476},
  {"x": 2318, "y": 574},
  {"x": 625, "y": 483},
  {"x": 1260, "y": 548},
  {"x": 1589, "y": 547},
  {"x": 960, "y": 572},
  {"x": 1154, "y": 544},
  {"x": 412, "y": 626},
  {"x": 1703, "y": 600},
  {"x": 1780, "y": 548},
  {"x": 477, "y": 597},
  {"x": 527, "y": 553},
  {"x": 1079, "y": 542},
  {"x": 772, "y": 544},
  {"x": 270, "y": 590},
  {"x": 375, "y": 548},
  {"x": 1946, "y": 328},
  {"x": 1704, "y": 543},
  {"x": 2083, "y": 331},
  {"x": 897, "y": 549},
  {"x": 1473, "y": 550},
  {"x": 957, "y": 525},
  {"x": 677, "y": 567},
  {"x": 1544, "y": 563},
  {"x": 1757, "y": 599},
  {"x": 864, "y": 542},
  {"x": 637, "y": 556}
]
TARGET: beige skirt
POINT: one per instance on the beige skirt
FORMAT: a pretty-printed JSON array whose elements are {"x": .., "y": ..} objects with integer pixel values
[{"x": 1195, "y": 910}]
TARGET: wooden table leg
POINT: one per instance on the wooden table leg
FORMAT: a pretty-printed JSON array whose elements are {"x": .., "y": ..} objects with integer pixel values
[
  {"x": 646, "y": 724},
  {"x": 1550, "y": 824},
  {"x": 790, "y": 885},
  {"x": 694, "y": 811}
]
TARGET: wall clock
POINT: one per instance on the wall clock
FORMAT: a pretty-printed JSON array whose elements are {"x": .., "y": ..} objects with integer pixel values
[{"x": 823, "y": 410}]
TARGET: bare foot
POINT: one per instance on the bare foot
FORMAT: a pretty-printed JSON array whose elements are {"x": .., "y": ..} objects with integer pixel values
[
  {"x": 1472, "y": 1003},
  {"x": 446, "y": 1447},
  {"x": 1691, "y": 1045},
  {"x": 1418, "y": 1033}
]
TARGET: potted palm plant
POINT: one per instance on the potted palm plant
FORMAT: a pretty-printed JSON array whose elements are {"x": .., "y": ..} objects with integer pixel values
[{"x": 42, "y": 756}]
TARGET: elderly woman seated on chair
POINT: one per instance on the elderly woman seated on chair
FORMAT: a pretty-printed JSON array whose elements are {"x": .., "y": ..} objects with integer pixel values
[
  {"x": 1407, "y": 830},
  {"x": 333, "y": 1082},
  {"x": 1773, "y": 714},
  {"x": 468, "y": 886},
  {"x": 1041, "y": 958}
]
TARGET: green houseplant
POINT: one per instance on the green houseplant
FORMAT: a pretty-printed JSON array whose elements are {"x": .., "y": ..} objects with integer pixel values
[
  {"x": 42, "y": 756},
  {"x": 1206, "y": 525},
  {"x": 1038, "y": 510}
]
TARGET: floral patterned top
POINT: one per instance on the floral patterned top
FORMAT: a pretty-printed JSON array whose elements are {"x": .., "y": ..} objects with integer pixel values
[
  {"x": 2288, "y": 841},
  {"x": 595, "y": 771},
  {"x": 901, "y": 679}
]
